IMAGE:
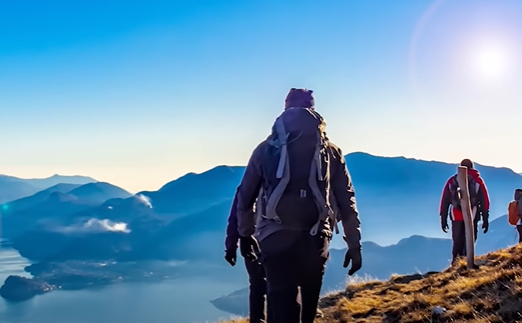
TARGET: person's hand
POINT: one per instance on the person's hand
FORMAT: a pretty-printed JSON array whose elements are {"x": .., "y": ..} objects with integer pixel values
[
  {"x": 354, "y": 256},
  {"x": 485, "y": 220},
  {"x": 485, "y": 225},
  {"x": 444, "y": 224},
  {"x": 249, "y": 248},
  {"x": 231, "y": 257}
]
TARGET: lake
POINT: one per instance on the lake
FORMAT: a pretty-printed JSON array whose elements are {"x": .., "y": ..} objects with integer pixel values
[{"x": 184, "y": 300}]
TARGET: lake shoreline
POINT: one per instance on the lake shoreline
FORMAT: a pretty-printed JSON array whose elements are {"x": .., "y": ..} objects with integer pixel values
[{"x": 162, "y": 301}]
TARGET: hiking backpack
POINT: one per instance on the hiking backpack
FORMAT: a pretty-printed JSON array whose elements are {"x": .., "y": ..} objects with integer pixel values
[
  {"x": 473, "y": 187},
  {"x": 299, "y": 159},
  {"x": 514, "y": 210}
]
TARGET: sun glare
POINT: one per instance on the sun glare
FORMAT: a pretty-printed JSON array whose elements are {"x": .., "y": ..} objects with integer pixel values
[{"x": 491, "y": 63}]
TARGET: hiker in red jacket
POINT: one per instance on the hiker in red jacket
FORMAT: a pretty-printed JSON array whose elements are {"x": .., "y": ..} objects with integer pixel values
[
  {"x": 306, "y": 189},
  {"x": 479, "y": 199}
]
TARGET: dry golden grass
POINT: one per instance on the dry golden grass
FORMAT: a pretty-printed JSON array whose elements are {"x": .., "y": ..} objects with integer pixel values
[{"x": 492, "y": 293}]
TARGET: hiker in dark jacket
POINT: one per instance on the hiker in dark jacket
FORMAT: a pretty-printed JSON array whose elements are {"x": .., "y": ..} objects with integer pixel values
[
  {"x": 304, "y": 178},
  {"x": 256, "y": 274},
  {"x": 479, "y": 203}
]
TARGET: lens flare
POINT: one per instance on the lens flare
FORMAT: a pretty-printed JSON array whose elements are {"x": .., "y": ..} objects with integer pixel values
[{"x": 491, "y": 62}]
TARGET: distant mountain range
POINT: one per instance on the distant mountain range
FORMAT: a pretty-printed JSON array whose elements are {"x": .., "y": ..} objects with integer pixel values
[
  {"x": 196, "y": 192},
  {"x": 500, "y": 235},
  {"x": 13, "y": 188},
  {"x": 401, "y": 196},
  {"x": 54, "y": 205},
  {"x": 186, "y": 218}
]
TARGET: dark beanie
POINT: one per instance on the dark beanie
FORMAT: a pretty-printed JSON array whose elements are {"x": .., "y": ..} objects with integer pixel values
[
  {"x": 518, "y": 194},
  {"x": 467, "y": 162},
  {"x": 299, "y": 98}
]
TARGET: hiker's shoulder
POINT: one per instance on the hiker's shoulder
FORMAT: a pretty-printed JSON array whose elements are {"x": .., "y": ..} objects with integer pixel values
[
  {"x": 334, "y": 149},
  {"x": 261, "y": 148},
  {"x": 452, "y": 179}
]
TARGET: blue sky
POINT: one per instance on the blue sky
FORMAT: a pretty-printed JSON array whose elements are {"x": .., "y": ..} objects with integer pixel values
[{"x": 138, "y": 93}]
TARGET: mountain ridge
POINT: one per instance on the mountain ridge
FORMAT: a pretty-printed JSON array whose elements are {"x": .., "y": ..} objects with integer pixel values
[
  {"x": 186, "y": 218},
  {"x": 390, "y": 180},
  {"x": 408, "y": 200},
  {"x": 56, "y": 204},
  {"x": 13, "y": 188}
]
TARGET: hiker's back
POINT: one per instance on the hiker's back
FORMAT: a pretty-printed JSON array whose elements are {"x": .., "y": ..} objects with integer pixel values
[
  {"x": 473, "y": 188},
  {"x": 292, "y": 167},
  {"x": 294, "y": 199}
]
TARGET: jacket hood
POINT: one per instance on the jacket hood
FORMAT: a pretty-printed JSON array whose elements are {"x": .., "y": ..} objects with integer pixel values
[{"x": 473, "y": 172}]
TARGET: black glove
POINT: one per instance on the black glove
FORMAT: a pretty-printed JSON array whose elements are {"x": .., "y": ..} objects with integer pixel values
[
  {"x": 485, "y": 220},
  {"x": 249, "y": 248},
  {"x": 231, "y": 257},
  {"x": 485, "y": 224},
  {"x": 355, "y": 256},
  {"x": 444, "y": 224}
]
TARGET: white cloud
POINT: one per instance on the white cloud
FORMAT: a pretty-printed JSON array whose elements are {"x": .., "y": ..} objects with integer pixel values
[
  {"x": 144, "y": 199},
  {"x": 96, "y": 225}
]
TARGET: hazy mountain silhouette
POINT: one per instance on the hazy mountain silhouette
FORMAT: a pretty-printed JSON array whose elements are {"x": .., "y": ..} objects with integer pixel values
[
  {"x": 174, "y": 222},
  {"x": 196, "y": 236},
  {"x": 37, "y": 198},
  {"x": 99, "y": 192},
  {"x": 53, "y": 206},
  {"x": 186, "y": 218},
  {"x": 42, "y": 183},
  {"x": 401, "y": 195},
  {"x": 13, "y": 188},
  {"x": 193, "y": 237},
  {"x": 500, "y": 235},
  {"x": 410, "y": 255},
  {"x": 196, "y": 192}
]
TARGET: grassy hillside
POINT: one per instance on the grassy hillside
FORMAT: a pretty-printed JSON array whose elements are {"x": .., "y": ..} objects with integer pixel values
[{"x": 491, "y": 293}]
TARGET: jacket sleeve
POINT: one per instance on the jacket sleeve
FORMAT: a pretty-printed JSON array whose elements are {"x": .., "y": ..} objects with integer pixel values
[
  {"x": 248, "y": 192},
  {"x": 483, "y": 200},
  {"x": 484, "y": 189},
  {"x": 445, "y": 201},
  {"x": 232, "y": 234},
  {"x": 343, "y": 190}
]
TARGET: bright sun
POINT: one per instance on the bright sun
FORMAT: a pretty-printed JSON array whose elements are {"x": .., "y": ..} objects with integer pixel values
[{"x": 491, "y": 62}]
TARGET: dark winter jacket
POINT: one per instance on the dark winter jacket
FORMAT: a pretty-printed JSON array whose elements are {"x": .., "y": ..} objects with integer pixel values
[{"x": 256, "y": 179}]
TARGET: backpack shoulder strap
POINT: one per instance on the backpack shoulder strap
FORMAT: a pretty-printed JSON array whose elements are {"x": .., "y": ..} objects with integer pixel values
[
  {"x": 316, "y": 175},
  {"x": 279, "y": 140}
]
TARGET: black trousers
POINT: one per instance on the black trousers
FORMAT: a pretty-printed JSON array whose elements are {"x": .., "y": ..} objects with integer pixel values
[
  {"x": 458, "y": 235},
  {"x": 519, "y": 229},
  {"x": 257, "y": 292},
  {"x": 292, "y": 261}
]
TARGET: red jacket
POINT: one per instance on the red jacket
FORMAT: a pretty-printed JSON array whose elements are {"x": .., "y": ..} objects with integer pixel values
[{"x": 482, "y": 194}]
